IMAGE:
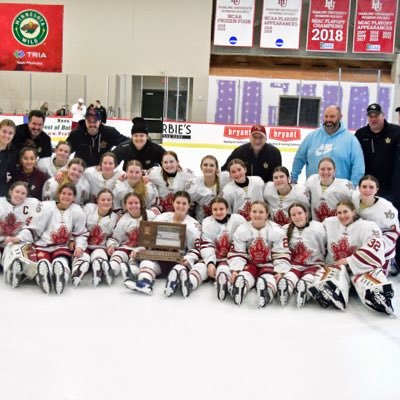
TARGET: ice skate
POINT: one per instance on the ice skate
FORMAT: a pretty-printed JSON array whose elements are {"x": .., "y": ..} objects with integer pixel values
[
  {"x": 238, "y": 290},
  {"x": 127, "y": 273},
  {"x": 184, "y": 283},
  {"x": 141, "y": 285},
  {"x": 172, "y": 283},
  {"x": 316, "y": 295},
  {"x": 393, "y": 267},
  {"x": 283, "y": 291},
  {"x": 301, "y": 290},
  {"x": 108, "y": 272},
  {"x": 43, "y": 277},
  {"x": 222, "y": 286},
  {"x": 331, "y": 293},
  {"x": 59, "y": 277},
  {"x": 263, "y": 292},
  {"x": 16, "y": 274},
  {"x": 97, "y": 272},
  {"x": 79, "y": 273},
  {"x": 380, "y": 299}
]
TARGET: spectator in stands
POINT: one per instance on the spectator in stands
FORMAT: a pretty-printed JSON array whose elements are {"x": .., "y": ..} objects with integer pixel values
[
  {"x": 260, "y": 157},
  {"x": 141, "y": 147},
  {"x": 101, "y": 110},
  {"x": 44, "y": 108},
  {"x": 331, "y": 140},
  {"x": 91, "y": 139},
  {"x": 8, "y": 154},
  {"x": 32, "y": 135},
  {"x": 78, "y": 111}
]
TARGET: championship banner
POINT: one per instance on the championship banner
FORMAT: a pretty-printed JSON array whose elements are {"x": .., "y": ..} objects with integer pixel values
[
  {"x": 328, "y": 24},
  {"x": 31, "y": 37},
  {"x": 375, "y": 26},
  {"x": 280, "y": 24},
  {"x": 234, "y": 23}
]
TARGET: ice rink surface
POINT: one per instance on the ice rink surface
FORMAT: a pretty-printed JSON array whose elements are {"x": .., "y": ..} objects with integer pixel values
[{"x": 111, "y": 343}]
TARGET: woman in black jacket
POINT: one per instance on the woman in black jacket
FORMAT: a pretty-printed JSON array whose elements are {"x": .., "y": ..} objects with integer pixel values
[{"x": 8, "y": 154}]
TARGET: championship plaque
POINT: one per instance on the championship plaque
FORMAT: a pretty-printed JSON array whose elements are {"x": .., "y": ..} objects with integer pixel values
[{"x": 163, "y": 241}]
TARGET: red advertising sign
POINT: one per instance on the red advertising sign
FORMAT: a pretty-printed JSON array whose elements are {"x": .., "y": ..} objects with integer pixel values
[
  {"x": 31, "y": 37},
  {"x": 328, "y": 22},
  {"x": 375, "y": 26},
  {"x": 237, "y": 131},
  {"x": 285, "y": 134}
]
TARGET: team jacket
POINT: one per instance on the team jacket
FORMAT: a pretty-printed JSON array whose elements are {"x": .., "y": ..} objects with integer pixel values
[
  {"x": 82, "y": 188},
  {"x": 123, "y": 187}
]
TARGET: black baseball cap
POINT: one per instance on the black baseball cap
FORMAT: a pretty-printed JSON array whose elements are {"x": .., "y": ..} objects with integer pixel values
[{"x": 374, "y": 108}]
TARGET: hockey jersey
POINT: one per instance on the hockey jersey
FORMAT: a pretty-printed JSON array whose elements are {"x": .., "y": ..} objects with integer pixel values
[
  {"x": 47, "y": 166},
  {"x": 123, "y": 187},
  {"x": 97, "y": 181}
]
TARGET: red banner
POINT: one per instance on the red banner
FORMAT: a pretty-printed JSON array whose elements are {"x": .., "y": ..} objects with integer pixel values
[
  {"x": 31, "y": 37},
  {"x": 328, "y": 23},
  {"x": 375, "y": 26}
]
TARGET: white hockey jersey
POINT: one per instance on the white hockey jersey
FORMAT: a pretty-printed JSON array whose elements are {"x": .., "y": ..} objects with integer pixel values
[
  {"x": 266, "y": 247},
  {"x": 13, "y": 218},
  {"x": 308, "y": 245},
  {"x": 323, "y": 203},
  {"x": 360, "y": 242},
  {"x": 46, "y": 165},
  {"x": 166, "y": 193},
  {"x": 385, "y": 215},
  {"x": 82, "y": 190},
  {"x": 97, "y": 181},
  {"x": 217, "y": 238},
  {"x": 279, "y": 206},
  {"x": 240, "y": 199},
  {"x": 123, "y": 187},
  {"x": 99, "y": 228},
  {"x": 51, "y": 228}
]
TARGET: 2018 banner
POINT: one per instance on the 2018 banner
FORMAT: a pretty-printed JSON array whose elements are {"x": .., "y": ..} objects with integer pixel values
[
  {"x": 234, "y": 23},
  {"x": 375, "y": 26},
  {"x": 328, "y": 22},
  {"x": 280, "y": 24},
  {"x": 31, "y": 37}
]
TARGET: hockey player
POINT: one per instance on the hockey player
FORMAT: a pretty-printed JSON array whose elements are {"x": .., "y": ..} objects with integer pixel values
[
  {"x": 216, "y": 241},
  {"x": 100, "y": 223},
  {"x": 356, "y": 254},
  {"x": 382, "y": 212},
  {"x": 125, "y": 239},
  {"x": 326, "y": 190},
  {"x": 73, "y": 174},
  {"x": 51, "y": 165},
  {"x": 58, "y": 231},
  {"x": 280, "y": 194},
  {"x": 307, "y": 244},
  {"x": 189, "y": 273},
  {"x": 134, "y": 182},
  {"x": 259, "y": 256},
  {"x": 104, "y": 176},
  {"x": 168, "y": 179},
  {"x": 242, "y": 190}
]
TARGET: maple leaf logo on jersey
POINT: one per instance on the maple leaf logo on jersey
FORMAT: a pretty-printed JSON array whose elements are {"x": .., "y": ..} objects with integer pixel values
[
  {"x": 258, "y": 251},
  {"x": 60, "y": 236},
  {"x": 222, "y": 245},
  {"x": 206, "y": 209},
  {"x": 166, "y": 203},
  {"x": 133, "y": 238},
  {"x": 323, "y": 211},
  {"x": 245, "y": 210},
  {"x": 342, "y": 248},
  {"x": 10, "y": 226},
  {"x": 300, "y": 254},
  {"x": 96, "y": 236},
  {"x": 281, "y": 218}
]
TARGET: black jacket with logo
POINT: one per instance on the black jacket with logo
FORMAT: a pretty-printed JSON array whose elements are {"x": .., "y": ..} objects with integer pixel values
[{"x": 42, "y": 142}]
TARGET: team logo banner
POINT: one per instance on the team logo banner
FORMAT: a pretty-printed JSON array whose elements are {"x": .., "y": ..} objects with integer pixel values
[
  {"x": 328, "y": 23},
  {"x": 31, "y": 37},
  {"x": 234, "y": 23},
  {"x": 280, "y": 24},
  {"x": 375, "y": 26}
]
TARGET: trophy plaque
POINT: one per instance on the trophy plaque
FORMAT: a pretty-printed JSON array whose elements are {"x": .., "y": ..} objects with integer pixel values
[{"x": 163, "y": 241}]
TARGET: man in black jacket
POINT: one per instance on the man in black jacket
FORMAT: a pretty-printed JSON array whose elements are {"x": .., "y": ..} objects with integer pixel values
[
  {"x": 32, "y": 135},
  {"x": 260, "y": 157},
  {"x": 141, "y": 147},
  {"x": 91, "y": 138}
]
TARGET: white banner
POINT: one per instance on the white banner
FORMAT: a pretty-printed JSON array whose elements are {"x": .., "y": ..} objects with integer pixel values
[
  {"x": 280, "y": 24},
  {"x": 234, "y": 23}
]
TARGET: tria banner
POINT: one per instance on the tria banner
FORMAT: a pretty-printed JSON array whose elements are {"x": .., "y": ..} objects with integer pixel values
[{"x": 31, "y": 37}]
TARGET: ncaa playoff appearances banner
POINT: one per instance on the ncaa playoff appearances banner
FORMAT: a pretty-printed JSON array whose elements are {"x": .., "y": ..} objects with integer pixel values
[
  {"x": 375, "y": 26},
  {"x": 31, "y": 37},
  {"x": 280, "y": 24},
  {"x": 234, "y": 21},
  {"x": 328, "y": 22}
]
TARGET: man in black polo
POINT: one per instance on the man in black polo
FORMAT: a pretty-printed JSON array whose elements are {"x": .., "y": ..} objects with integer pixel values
[{"x": 32, "y": 135}]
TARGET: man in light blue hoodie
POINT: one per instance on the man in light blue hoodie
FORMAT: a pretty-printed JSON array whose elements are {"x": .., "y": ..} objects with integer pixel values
[{"x": 334, "y": 141}]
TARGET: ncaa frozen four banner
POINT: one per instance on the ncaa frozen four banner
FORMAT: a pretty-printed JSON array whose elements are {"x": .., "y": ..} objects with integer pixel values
[
  {"x": 234, "y": 23},
  {"x": 280, "y": 24},
  {"x": 31, "y": 37},
  {"x": 328, "y": 22}
]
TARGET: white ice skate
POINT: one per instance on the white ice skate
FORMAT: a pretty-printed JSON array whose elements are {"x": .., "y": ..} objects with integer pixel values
[
  {"x": 222, "y": 286},
  {"x": 59, "y": 277},
  {"x": 238, "y": 290},
  {"x": 184, "y": 283},
  {"x": 283, "y": 291},
  {"x": 141, "y": 285},
  {"x": 264, "y": 293},
  {"x": 301, "y": 290},
  {"x": 79, "y": 273},
  {"x": 16, "y": 274},
  {"x": 108, "y": 272},
  {"x": 97, "y": 272},
  {"x": 172, "y": 283},
  {"x": 43, "y": 277}
]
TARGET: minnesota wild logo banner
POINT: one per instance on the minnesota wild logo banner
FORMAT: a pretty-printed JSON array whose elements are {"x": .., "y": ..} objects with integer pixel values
[{"x": 31, "y": 37}]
